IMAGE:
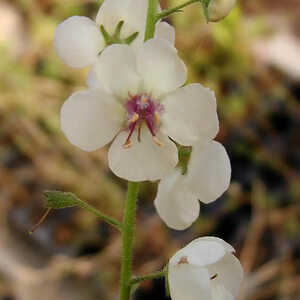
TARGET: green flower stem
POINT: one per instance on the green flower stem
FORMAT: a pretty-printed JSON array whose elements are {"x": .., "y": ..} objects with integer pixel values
[
  {"x": 168, "y": 12},
  {"x": 101, "y": 215},
  {"x": 127, "y": 238},
  {"x": 150, "y": 276},
  {"x": 60, "y": 200},
  {"x": 151, "y": 19}
]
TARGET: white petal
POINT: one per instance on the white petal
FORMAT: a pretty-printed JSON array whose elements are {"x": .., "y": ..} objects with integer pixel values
[
  {"x": 132, "y": 12},
  {"x": 90, "y": 119},
  {"x": 190, "y": 115},
  {"x": 78, "y": 41},
  {"x": 227, "y": 247},
  {"x": 175, "y": 204},
  {"x": 220, "y": 293},
  {"x": 209, "y": 171},
  {"x": 137, "y": 15},
  {"x": 200, "y": 253},
  {"x": 188, "y": 282},
  {"x": 143, "y": 160},
  {"x": 92, "y": 79},
  {"x": 160, "y": 67},
  {"x": 165, "y": 31},
  {"x": 229, "y": 273},
  {"x": 111, "y": 13},
  {"x": 116, "y": 70}
]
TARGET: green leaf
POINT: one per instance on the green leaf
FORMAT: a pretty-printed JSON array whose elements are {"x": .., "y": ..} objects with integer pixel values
[{"x": 58, "y": 200}]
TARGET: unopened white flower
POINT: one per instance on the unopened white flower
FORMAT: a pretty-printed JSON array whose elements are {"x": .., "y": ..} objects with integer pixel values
[
  {"x": 205, "y": 269},
  {"x": 140, "y": 103},
  {"x": 78, "y": 40},
  {"x": 208, "y": 177},
  {"x": 219, "y": 9}
]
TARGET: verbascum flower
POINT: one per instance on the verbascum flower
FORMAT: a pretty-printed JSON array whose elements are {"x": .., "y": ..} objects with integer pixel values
[
  {"x": 78, "y": 40},
  {"x": 205, "y": 269},
  {"x": 139, "y": 105},
  {"x": 207, "y": 178},
  {"x": 219, "y": 9}
]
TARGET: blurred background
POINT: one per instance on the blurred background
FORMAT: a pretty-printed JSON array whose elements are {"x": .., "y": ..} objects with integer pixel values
[{"x": 252, "y": 61}]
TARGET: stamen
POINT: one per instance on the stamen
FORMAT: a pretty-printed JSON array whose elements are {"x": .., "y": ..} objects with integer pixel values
[
  {"x": 139, "y": 132},
  {"x": 157, "y": 141},
  {"x": 134, "y": 118},
  {"x": 127, "y": 144},
  {"x": 150, "y": 126},
  {"x": 183, "y": 260},
  {"x": 142, "y": 109},
  {"x": 144, "y": 99},
  {"x": 157, "y": 118},
  {"x": 214, "y": 276}
]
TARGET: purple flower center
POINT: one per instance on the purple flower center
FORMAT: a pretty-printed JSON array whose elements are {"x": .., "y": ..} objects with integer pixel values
[{"x": 142, "y": 109}]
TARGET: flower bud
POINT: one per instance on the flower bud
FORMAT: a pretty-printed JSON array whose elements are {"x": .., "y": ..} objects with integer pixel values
[{"x": 217, "y": 10}]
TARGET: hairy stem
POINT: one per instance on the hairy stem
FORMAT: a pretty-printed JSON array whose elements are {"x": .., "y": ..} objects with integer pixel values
[
  {"x": 150, "y": 276},
  {"x": 168, "y": 12},
  {"x": 127, "y": 238},
  {"x": 151, "y": 19},
  {"x": 101, "y": 215}
]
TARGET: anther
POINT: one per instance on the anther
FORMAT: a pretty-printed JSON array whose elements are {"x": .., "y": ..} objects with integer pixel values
[
  {"x": 183, "y": 260},
  {"x": 157, "y": 118},
  {"x": 157, "y": 141},
  {"x": 127, "y": 144},
  {"x": 134, "y": 118},
  {"x": 139, "y": 132},
  {"x": 144, "y": 99}
]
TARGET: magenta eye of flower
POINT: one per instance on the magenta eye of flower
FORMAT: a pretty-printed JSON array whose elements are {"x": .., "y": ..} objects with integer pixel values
[{"x": 142, "y": 109}]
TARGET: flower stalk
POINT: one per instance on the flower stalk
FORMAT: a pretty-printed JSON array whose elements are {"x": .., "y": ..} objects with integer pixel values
[
  {"x": 176, "y": 9},
  {"x": 150, "y": 276},
  {"x": 127, "y": 238},
  {"x": 109, "y": 220},
  {"x": 151, "y": 19}
]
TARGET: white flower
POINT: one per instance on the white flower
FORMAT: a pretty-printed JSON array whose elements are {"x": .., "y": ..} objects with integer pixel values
[
  {"x": 205, "y": 269},
  {"x": 208, "y": 177},
  {"x": 219, "y": 9},
  {"x": 140, "y": 103},
  {"x": 78, "y": 40}
]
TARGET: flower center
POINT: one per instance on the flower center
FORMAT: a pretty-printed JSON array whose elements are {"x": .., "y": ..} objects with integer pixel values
[{"x": 143, "y": 109}]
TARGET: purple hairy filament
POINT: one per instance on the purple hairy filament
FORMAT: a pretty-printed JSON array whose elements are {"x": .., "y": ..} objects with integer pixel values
[{"x": 143, "y": 109}]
